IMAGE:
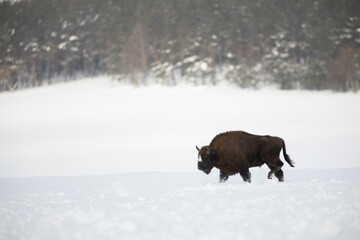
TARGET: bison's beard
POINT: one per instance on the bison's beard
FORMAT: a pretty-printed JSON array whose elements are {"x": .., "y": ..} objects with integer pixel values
[{"x": 206, "y": 170}]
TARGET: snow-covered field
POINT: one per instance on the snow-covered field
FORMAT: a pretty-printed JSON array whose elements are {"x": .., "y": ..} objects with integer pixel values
[
  {"x": 95, "y": 159},
  {"x": 311, "y": 204}
]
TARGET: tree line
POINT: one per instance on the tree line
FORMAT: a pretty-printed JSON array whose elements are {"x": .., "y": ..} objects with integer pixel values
[{"x": 294, "y": 44}]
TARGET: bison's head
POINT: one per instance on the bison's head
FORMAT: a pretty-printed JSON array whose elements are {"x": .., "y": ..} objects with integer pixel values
[{"x": 206, "y": 159}]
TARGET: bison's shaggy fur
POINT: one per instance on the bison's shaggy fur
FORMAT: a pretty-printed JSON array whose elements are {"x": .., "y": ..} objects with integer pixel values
[{"x": 237, "y": 151}]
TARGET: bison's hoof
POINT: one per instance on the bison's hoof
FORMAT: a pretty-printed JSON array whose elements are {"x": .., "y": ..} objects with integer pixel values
[
  {"x": 270, "y": 175},
  {"x": 247, "y": 180}
]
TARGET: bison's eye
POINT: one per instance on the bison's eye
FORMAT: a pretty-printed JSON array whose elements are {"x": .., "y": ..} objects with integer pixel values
[{"x": 204, "y": 158}]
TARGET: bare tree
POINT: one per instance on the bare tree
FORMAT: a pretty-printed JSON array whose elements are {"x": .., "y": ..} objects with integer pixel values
[
  {"x": 346, "y": 67},
  {"x": 135, "y": 55},
  {"x": 8, "y": 77}
]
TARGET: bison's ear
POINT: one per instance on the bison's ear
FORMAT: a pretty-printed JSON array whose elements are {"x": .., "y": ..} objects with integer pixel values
[{"x": 197, "y": 148}]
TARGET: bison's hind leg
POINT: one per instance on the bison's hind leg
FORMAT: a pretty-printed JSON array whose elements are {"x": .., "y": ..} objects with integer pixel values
[
  {"x": 277, "y": 171},
  {"x": 280, "y": 175},
  {"x": 223, "y": 176},
  {"x": 246, "y": 175}
]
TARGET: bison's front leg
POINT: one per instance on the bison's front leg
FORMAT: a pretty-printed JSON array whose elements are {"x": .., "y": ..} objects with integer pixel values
[
  {"x": 223, "y": 176},
  {"x": 246, "y": 175}
]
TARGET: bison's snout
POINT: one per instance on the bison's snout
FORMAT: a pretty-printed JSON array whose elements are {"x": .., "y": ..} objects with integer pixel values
[{"x": 200, "y": 167}]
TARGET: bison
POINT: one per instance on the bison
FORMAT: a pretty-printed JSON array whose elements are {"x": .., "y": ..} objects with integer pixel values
[{"x": 237, "y": 151}]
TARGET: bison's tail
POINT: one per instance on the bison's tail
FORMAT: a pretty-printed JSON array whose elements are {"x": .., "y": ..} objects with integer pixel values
[{"x": 286, "y": 156}]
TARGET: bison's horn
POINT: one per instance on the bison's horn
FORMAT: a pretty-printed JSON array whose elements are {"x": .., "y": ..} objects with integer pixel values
[{"x": 197, "y": 148}]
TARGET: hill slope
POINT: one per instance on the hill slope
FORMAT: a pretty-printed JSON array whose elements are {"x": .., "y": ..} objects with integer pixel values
[{"x": 97, "y": 126}]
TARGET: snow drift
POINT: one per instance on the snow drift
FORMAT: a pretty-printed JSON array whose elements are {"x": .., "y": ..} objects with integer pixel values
[{"x": 311, "y": 204}]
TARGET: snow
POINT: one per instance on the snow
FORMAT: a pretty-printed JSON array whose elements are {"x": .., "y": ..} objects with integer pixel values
[
  {"x": 73, "y": 38},
  {"x": 229, "y": 55},
  {"x": 190, "y": 59},
  {"x": 62, "y": 45},
  {"x": 97, "y": 159},
  {"x": 98, "y": 126},
  {"x": 311, "y": 204}
]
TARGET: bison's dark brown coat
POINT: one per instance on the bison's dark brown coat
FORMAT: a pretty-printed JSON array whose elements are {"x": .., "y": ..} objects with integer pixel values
[{"x": 237, "y": 151}]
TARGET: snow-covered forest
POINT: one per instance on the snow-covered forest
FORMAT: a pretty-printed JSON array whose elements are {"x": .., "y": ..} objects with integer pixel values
[{"x": 293, "y": 44}]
